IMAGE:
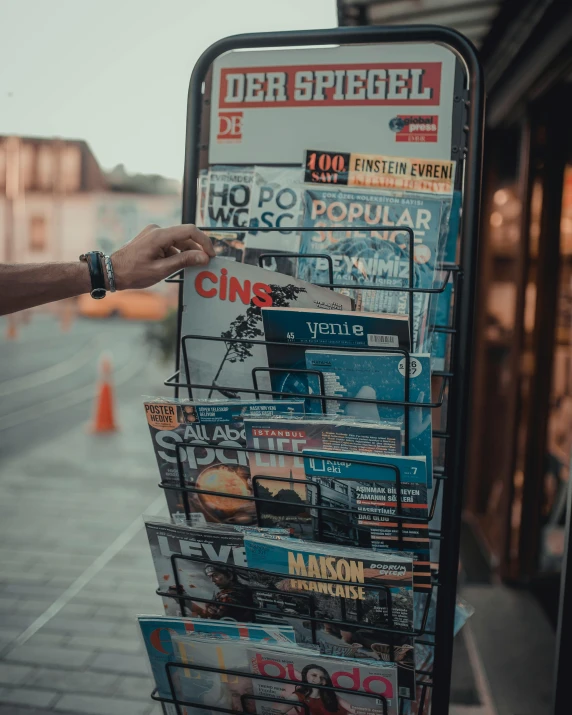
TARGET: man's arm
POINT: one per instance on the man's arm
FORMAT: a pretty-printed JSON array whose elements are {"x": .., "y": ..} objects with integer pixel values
[{"x": 149, "y": 258}]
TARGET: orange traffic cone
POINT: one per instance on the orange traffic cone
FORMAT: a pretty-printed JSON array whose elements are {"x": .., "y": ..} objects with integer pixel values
[
  {"x": 104, "y": 420},
  {"x": 12, "y": 328}
]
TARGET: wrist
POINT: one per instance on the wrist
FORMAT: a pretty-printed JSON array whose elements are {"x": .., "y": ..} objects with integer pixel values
[{"x": 80, "y": 277}]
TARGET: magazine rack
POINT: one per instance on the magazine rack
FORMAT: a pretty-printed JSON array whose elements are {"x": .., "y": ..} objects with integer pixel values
[{"x": 453, "y": 401}]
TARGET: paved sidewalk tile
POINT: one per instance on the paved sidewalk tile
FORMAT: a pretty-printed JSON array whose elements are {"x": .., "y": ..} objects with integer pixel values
[
  {"x": 42, "y": 655},
  {"x": 29, "y": 697},
  {"x": 120, "y": 663},
  {"x": 12, "y": 674},
  {"x": 101, "y": 706},
  {"x": 65, "y": 681},
  {"x": 136, "y": 687}
]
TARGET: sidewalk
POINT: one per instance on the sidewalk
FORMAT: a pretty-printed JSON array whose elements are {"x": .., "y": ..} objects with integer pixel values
[{"x": 75, "y": 568}]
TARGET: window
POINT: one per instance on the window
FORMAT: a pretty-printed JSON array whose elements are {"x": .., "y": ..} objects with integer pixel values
[
  {"x": 37, "y": 233},
  {"x": 70, "y": 168}
]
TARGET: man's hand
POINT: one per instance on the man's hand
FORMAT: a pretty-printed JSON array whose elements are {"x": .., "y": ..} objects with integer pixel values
[{"x": 157, "y": 253}]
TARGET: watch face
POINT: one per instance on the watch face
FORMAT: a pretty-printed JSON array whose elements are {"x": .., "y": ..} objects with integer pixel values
[{"x": 98, "y": 293}]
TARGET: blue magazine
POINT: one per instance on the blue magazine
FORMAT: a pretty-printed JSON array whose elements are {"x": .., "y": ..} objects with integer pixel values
[
  {"x": 300, "y": 328},
  {"x": 376, "y": 257},
  {"x": 370, "y": 490},
  {"x": 441, "y": 303},
  {"x": 158, "y": 632},
  {"x": 380, "y": 376}
]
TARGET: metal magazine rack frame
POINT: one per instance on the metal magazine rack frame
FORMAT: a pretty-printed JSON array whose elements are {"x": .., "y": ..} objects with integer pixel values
[{"x": 454, "y": 394}]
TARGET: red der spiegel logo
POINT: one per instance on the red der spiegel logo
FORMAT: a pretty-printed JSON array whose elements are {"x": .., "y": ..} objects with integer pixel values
[{"x": 229, "y": 127}]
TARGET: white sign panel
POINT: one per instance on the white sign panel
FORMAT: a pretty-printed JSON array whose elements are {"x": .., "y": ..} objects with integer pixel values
[{"x": 270, "y": 106}]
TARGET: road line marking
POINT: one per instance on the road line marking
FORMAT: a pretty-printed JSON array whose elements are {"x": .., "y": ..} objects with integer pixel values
[
  {"x": 83, "y": 579},
  {"x": 53, "y": 372}
]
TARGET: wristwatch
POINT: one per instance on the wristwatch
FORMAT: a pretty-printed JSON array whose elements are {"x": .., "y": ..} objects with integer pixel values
[{"x": 94, "y": 260}]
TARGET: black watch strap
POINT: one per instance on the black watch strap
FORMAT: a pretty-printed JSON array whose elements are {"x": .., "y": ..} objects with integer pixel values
[{"x": 94, "y": 261}]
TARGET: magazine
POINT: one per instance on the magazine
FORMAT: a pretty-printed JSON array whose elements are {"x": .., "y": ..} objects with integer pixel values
[
  {"x": 159, "y": 634},
  {"x": 442, "y": 302},
  {"x": 207, "y": 461},
  {"x": 368, "y": 484},
  {"x": 380, "y": 376},
  {"x": 280, "y": 480},
  {"x": 225, "y": 203},
  {"x": 302, "y": 328},
  {"x": 376, "y": 257},
  {"x": 223, "y": 300},
  {"x": 219, "y": 588},
  {"x": 315, "y": 675},
  {"x": 277, "y": 201},
  {"x": 347, "y": 586}
]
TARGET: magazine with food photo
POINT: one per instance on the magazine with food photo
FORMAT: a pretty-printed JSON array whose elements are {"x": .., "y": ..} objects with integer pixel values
[
  {"x": 381, "y": 376},
  {"x": 280, "y": 480},
  {"x": 224, "y": 300},
  {"x": 355, "y": 591},
  {"x": 194, "y": 441},
  {"x": 302, "y": 328},
  {"x": 369, "y": 484},
  {"x": 159, "y": 636},
  {"x": 316, "y": 676}
]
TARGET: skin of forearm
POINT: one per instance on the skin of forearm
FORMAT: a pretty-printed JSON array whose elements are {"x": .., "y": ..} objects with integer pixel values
[{"x": 26, "y": 285}]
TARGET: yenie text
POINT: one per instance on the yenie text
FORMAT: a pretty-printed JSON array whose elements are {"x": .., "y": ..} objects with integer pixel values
[{"x": 334, "y": 329}]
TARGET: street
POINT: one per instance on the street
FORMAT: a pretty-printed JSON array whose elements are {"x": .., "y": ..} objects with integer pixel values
[{"x": 75, "y": 568}]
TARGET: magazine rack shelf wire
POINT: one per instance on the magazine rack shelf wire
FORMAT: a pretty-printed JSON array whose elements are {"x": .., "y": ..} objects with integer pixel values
[{"x": 451, "y": 400}]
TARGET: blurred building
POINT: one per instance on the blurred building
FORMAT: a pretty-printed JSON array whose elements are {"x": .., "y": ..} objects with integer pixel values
[{"x": 57, "y": 202}]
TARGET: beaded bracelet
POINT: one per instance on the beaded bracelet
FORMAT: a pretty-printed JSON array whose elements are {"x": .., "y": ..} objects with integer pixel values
[{"x": 110, "y": 275}]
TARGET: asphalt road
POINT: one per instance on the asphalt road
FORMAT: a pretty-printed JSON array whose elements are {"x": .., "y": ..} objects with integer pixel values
[{"x": 48, "y": 377}]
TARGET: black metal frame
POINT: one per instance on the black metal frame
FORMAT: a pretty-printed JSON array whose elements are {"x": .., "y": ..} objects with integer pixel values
[{"x": 469, "y": 109}]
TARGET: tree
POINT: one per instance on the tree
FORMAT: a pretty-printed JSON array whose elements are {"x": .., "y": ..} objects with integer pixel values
[{"x": 248, "y": 325}]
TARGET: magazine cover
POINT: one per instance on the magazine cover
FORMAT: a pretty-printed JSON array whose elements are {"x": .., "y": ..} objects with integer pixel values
[
  {"x": 224, "y": 300},
  {"x": 380, "y": 376},
  {"x": 442, "y": 302},
  {"x": 208, "y": 462},
  {"x": 314, "y": 670},
  {"x": 350, "y": 585},
  {"x": 288, "y": 497},
  {"x": 301, "y": 328},
  {"x": 220, "y": 590},
  {"x": 276, "y": 202},
  {"x": 226, "y": 204},
  {"x": 369, "y": 486},
  {"x": 158, "y": 633},
  {"x": 376, "y": 257}
]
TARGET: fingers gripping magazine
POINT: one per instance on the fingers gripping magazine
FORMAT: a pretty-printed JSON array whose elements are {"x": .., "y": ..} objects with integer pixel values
[
  {"x": 365, "y": 591},
  {"x": 206, "y": 460}
]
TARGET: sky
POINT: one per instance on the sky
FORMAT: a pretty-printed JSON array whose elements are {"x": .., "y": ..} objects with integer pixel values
[{"x": 116, "y": 72}]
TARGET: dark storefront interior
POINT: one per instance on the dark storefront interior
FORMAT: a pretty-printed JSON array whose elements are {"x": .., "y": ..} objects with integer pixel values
[{"x": 519, "y": 452}]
